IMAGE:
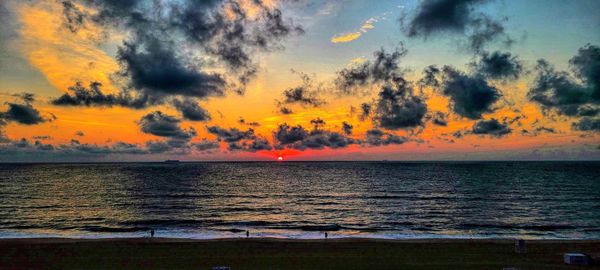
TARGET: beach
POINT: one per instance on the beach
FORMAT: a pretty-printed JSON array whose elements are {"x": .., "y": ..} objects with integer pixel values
[{"x": 266, "y": 253}]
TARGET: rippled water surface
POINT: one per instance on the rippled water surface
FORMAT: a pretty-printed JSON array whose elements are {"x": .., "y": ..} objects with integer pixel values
[{"x": 303, "y": 200}]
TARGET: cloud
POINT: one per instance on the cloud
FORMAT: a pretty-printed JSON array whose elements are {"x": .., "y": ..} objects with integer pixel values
[
  {"x": 470, "y": 95},
  {"x": 240, "y": 140},
  {"x": 156, "y": 147},
  {"x": 232, "y": 134},
  {"x": 347, "y": 128},
  {"x": 153, "y": 67},
  {"x": 439, "y": 118},
  {"x": 346, "y": 37},
  {"x": 190, "y": 110},
  {"x": 383, "y": 68},
  {"x": 588, "y": 124},
  {"x": 37, "y": 149},
  {"x": 42, "y": 137},
  {"x": 297, "y": 137},
  {"x": 93, "y": 96},
  {"x": 286, "y": 134},
  {"x": 365, "y": 109},
  {"x": 228, "y": 30},
  {"x": 438, "y": 17},
  {"x": 304, "y": 94},
  {"x": 571, "y": 95},
  {"x": 300, "y": 95},
  {"x": 206, "y": 145},
  {"x": 285, "y": 110},
  {"x": 162, "y": 125},
  {"x": 491, "y": 127},
  {"x": 244, "y": 122},
  {"x": 23, "y": 113},
  {"x": 499, "y": 66},
  {"x": 397, "y": 106},
  {"x": 377, "y": 137},
  {"x": 178, "y": 49},
  {"x": 254, "y": 145},
  {"x": 364, "y": 28}
]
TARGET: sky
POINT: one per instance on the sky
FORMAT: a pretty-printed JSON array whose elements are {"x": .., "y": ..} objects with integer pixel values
[{"x": 149, "y": 80}]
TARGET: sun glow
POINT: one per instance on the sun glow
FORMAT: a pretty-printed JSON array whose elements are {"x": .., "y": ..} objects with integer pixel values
[{"x": 280, "y": 158}]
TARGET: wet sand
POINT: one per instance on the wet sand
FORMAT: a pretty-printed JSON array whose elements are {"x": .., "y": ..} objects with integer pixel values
[{"x": 254, "y": 253}]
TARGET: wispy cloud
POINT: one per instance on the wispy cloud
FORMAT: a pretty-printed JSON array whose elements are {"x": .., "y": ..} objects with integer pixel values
[
  {"x": 364, "y": 28},
  {"x": 343, "y": 38}
]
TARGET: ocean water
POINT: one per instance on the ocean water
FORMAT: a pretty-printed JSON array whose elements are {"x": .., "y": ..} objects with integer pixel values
[{"x": 531, "y": 200}]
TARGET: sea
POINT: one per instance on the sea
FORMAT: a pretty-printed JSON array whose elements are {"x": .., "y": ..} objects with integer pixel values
[{"x": 305, "y": 200}]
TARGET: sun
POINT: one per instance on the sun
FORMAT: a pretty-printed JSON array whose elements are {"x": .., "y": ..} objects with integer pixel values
[{"x": 280, "y": 158}]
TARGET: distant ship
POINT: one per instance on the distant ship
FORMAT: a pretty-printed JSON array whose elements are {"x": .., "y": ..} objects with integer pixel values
[{"x": 172, "y": 161}]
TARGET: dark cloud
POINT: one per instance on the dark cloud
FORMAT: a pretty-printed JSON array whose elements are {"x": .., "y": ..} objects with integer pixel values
[
  {"x": 430, "y": 77},
  {"x": 365, "y": 109},
  {"x": 470, "y": 95},
  {"x": 577, "y": 95},
  {"x": 244, "y": 122},
  {"x": 190, "y": 110},
  {"x": 317, "y": 123},
  {"x": 304, "y": 95},
  {"x": 232, "y": 134},
  {"x": 28, "y": 98},
  {"x": 485, "y": 30},
  {"x": 79, "y": 133},
  {"x": 499, "y": 66},
  {"x": 397, "y": 106},
  {"x": 240, "y": 140},
  {"x": 377, "y": 137},
  {"x": 491, "y": 127},
  {"x": 438, "y": 17},
  {"x": 383, "y": 68},
  {"x": 537, "y": 131},
  {"x": 93, "y": 96},
  {"x": 156, "y": 147},
  {"x": 171, "y": 45},
  {"x": 300, "y": 95},
  {"x": 157, "y": 58},
  {"x": 347, "y": 128},
  {"x": 433, "y": 16},
  {"x": 545, "y": 129},
  {"x": 24, "y": 114},
  {"x": 254, "y": 145},
  {"x": 75, "y": 150},
  {"x": 206, "y": 145},
  {"x": 74, "y": 17},
  {"x": 586, "y": 66},
  {"x": 587, "y": 124},
  {"x": 153, "y": 67},
  {"x": 162, "y": 125},
  {"x": 286, "y": 134},
  {"x": 299, "y": 138},
  {"x": 439, "y": 118},
  {"x": 285, "y": 110}
]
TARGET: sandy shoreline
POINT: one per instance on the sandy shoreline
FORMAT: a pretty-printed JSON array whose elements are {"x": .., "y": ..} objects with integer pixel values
[{"x": 269, "y": 253}]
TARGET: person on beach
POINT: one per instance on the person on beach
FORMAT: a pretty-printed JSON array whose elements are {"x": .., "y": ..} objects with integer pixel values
[
  {"x": 152, "y": 233},
  {"x": 247, "y": 234},
  {"x": 325, "y": 235}
]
